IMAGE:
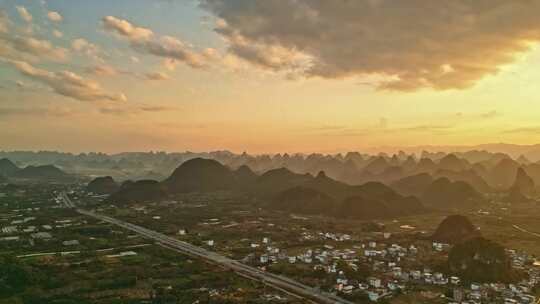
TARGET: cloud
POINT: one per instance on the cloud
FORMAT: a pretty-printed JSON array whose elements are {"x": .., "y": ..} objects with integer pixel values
[
  {"x": 156, "y": 108},
  {"x": 23, "y": 86},
  {"x": 57, "y": 34},
  {"x": 349, "y": 133},
  {"x": 91, "y": 50},
  {"x": 329, "y": 128},
  {"x": 54, "y": 16},
  {"x": 67, "y": 83},
  {"x": 126, "y": 29},
  {"x": 145, "y": 41},
  {"x": 157, "y": 76},
  {"x": 490, "y": 114},
  {"x": 169, "y": 64},
  {"x": 35, "y": 47},
  {"x": 102, "y": 70},
  {"x": 474, "y": 117},
  {"x": 4, "y": 22},
  {"x": 524, "y": 130},
  {"x": 131, "y": 110},
  {"x": 9, "y": 111},
  {"x": 271, "y": 57},
  {"x": 80, "y": 44},
  {"x": 17, "y": 43},
  {"x": 381, "y": 127},
  {"x": 39, "y": 48},
  {"x": 170, "y": 47},
  {"x": 431, "y": 128},
  {"x": 414, "y": 44},
  {"x": 23, "y": 12},
  {"x": 115, "y": 111},
  {"x": 35, "y": 111}
]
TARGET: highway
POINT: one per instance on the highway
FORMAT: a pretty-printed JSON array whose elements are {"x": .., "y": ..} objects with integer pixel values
[
  {"x": 278, "y": 282},
  {"x": 526, "y": 231}
]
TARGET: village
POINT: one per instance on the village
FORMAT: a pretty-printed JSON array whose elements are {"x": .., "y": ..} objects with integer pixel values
[{"x": 388, "y": 275}]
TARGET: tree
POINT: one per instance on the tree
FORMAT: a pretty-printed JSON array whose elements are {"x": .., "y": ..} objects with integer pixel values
[
  {"x": 362, "y": 272},
  {"x": 13, "y": 277}
]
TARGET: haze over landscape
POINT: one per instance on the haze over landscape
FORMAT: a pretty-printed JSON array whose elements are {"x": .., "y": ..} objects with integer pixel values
[{"x": 267, "y": 151}]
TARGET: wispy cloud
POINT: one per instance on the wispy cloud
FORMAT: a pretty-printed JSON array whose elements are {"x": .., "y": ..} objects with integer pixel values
[
  {"x": 39, "y": 48},
  {"x": 4, "y": 22},
  {"x": 35, "y": 111},
  {"x": 426, "y": 128},
  {"x": 145, "y": 41},
  {"x": 19, "y": 44},
  {"x": 57, "y": 34},
  {"x": 474, "y": 117},
  {"x": 156, "y": 76},
  {"x": 24, "y": 13},
  {"x": 329, "y": 127},
  {"x": 67, "y": 83},
  {"x": 54, "y": 16},
  {"x": 83, "y": 46},
  {"x": 135, "y": 109},
  {"x": 490, "y": 114},
  {"x": 381, "y": 128},
  {"x": 126, "y": 29},
  {"x": 108, "y": 70},
  {"x": 147, "y": 108},
  {"x": 523, "y": 130},
  {"x": 102, "y": 70}
]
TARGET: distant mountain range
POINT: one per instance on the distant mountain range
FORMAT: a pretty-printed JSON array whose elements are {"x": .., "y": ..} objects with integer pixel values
[
  {"x": 8, "y": 170},
  {"x": 484, "y": 171},
  {"x": 439, "y": 180},
  {"x": 530, "y": 152},
  {"x": 280, "y": 189},
  {"x": 378, "y": 186}
]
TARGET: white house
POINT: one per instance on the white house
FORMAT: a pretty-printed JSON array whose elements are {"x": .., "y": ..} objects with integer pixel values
[{"x": 375, "y": 282}]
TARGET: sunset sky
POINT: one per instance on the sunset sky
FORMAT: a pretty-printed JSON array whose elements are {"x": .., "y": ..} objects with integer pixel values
[{"x": 267, "y": 76}]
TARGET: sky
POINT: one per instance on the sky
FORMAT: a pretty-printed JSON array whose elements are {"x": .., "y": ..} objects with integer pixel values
[{"x": 267, "y": 76}]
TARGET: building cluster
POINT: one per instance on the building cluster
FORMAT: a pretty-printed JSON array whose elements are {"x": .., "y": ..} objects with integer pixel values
[
  {"x": 391, "y": 270},
  {"x": 494, "y": 293},
  {"x": 19, "y": 226}
]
